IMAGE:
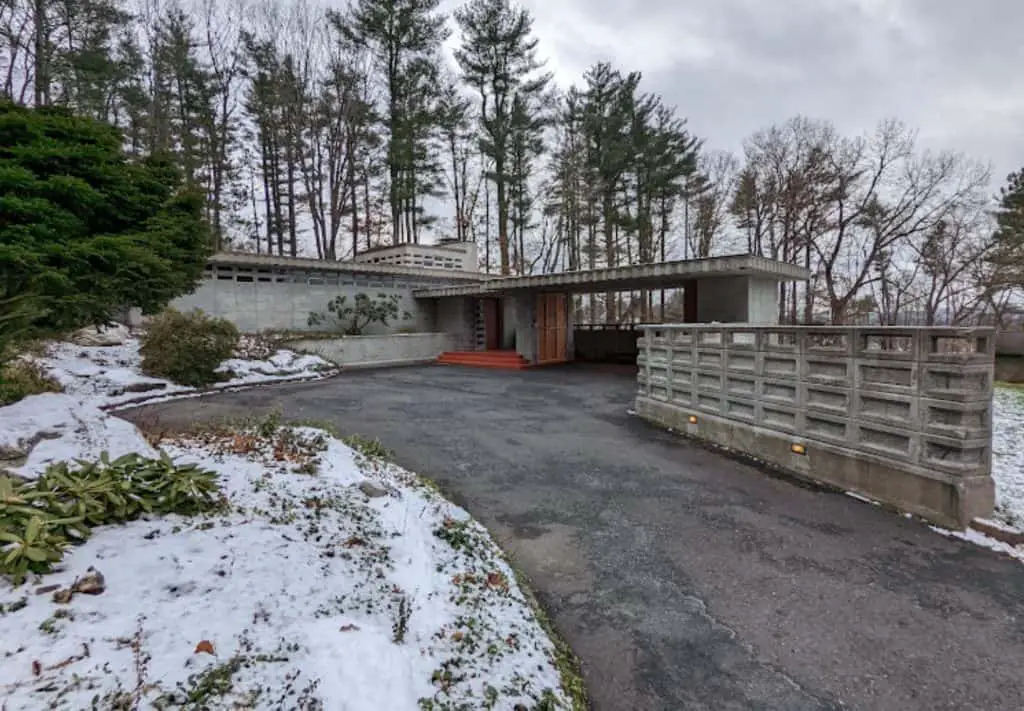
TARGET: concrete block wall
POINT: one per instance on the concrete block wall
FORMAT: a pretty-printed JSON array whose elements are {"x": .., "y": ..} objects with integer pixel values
[
  {"x": 457, "y": 316},
  {"x": 899, "y": 415},
  {"x": 281, "y": 298}
]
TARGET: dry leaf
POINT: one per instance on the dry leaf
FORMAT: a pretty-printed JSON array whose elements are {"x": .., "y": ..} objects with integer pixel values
[
  {"x": 349, "y": 628},
  {"x": 497, "y": 580},
  {"x": 205, "y": 646},
  {"x": 458, "y": 636},
  {"x": 37, "y": 667}
]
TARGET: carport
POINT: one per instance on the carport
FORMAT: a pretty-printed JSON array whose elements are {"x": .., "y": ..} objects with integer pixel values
[{"x": 529, "y": 320}]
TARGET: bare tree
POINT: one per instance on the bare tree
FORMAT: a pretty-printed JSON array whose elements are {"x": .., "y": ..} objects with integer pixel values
[{"x": 886, "y": 196}]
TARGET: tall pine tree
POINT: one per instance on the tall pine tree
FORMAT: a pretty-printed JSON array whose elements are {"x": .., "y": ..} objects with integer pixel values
[
  {"x": 498, "y": 58},
  {"x": 1010, "y": 236},
  {"x": 404, "y": 40}
]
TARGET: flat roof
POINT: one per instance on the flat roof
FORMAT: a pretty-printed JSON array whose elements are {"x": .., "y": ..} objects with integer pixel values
[
  {"x": 661, "y": 275},
  {"x": 257, "y": 261}
]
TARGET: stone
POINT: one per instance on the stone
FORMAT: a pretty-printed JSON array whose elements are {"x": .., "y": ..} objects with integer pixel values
[
  {"x": 63, "y": 596},
  {"x": 12, "y": 455},
  {"x": 92, "y": 583},
  {"x": 114, "y": 335},
  {"x": 15, "y": 455},
  {"x": 372, "y": 490}
]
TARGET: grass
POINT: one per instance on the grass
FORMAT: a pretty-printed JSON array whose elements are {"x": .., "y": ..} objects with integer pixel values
[{"x": 1009, "y": 386}]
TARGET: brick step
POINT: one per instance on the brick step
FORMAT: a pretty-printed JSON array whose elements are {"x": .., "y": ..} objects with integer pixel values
[{"x": 509, "y": 360}]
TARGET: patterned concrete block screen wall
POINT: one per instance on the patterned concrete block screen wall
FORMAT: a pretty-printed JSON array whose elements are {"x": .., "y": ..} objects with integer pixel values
[{"x": 902, "y": 416}]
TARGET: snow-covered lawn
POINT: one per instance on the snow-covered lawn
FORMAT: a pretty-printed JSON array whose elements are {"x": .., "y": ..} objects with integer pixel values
[
  {"x": 111, "y": 375},
  {"x": 333, "y": 580},
  {"x": 1008, "y": 455}
]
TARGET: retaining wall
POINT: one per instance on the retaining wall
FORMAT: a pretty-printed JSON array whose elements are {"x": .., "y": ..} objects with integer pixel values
[
  {"x": 902, "y": 416},
  {"x": 377, "y": 351}
]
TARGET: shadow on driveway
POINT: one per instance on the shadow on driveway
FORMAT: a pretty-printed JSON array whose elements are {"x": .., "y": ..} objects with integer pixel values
[{"x": 683, "y": 579}]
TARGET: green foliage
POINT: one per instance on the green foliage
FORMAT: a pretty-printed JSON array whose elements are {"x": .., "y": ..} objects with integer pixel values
[
  {"x": 498, "y": 58},
  {"x": 16, "y": 316},
  {"x": 1009, "y": 239},
  {"x": 372, "y": 448},
  {"x": 403, "y": 39},
  {"x": 85, "y": 231},
  {"x": 351, "y": 319},
  {"x": 19, "y": 379},
  {"x": 40, "y": 519},
  {"x": 187, "y": 348}
]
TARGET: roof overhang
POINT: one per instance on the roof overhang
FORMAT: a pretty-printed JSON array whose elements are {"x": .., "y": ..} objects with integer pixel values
[
  {"x": 257, "y": 261},
  {"x": 661, "y": 275}
]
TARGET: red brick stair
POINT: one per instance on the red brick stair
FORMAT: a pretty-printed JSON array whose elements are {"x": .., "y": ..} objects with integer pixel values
[{"x": 507, "y": 360}]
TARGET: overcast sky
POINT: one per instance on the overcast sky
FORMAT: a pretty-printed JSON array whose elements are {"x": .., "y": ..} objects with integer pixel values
[{"x": 951, "y": 68}]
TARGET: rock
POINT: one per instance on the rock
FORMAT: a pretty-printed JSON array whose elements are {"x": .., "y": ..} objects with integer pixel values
[
  {"x": 114, "y": 335},
  {"x": 372, "y": 490},
  {"x": 63, "y": 596},
  {"x": 14, "y": 455},
  {"x": 92, "y": 583}
]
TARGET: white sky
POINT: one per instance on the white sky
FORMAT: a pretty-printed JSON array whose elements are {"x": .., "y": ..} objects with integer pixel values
[{"x": 948, "y": 67}]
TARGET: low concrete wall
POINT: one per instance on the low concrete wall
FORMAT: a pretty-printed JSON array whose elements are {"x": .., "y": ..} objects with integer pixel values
[
  {"x": 377, "y": 351},
  {"x": 902, "y": 416}
]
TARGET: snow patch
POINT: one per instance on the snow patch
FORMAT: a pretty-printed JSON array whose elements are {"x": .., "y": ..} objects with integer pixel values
[
  {"x": 1008, "y": 456},
  {"x": 111, "y": 375},
  {"x": 55, "y": 427},
  {"x": 980, "y": 539}
]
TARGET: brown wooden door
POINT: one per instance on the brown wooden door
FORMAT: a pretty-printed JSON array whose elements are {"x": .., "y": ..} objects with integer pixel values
[
  {"x": 492, "y": 324},
  {"x": 552, "y": 334}
]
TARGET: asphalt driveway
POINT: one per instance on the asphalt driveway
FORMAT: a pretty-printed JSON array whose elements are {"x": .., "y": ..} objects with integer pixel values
[{"x": 684, "y": 579}]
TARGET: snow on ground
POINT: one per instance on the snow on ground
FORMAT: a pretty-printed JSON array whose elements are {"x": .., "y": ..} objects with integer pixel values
[
  {"x": 332, "y": 581},
  {"x": 111, "y": 375},
  {"x": 1008, "y": 455},
  {"x": 55, "y": 427},
  {"x": 393, "y": 601}
]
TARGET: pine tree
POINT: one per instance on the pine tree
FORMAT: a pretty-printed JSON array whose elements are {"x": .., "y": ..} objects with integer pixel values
[
  {"x": 610, "y": 99},
  {"x": 404, "y": 40},
  {"x": 498, "y": 58},
  {"x": 1009, "y": 238},
  {"x": 566, "y": 196},
  {"x": 454, "y": 124}
]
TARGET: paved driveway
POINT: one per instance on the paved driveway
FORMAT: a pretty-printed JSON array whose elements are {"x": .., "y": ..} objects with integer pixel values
[{"x": 684, "y": 579}]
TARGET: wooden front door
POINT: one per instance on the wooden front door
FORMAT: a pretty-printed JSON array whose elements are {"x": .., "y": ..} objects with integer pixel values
[
  {"x": 552, "y": 333},
  {"x": 492, "y": 324}
]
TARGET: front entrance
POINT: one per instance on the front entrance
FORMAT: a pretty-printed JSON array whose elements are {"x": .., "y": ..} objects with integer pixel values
[
  {"x": 552, "y": 328},
  {"x": 493, "y": 326}
]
